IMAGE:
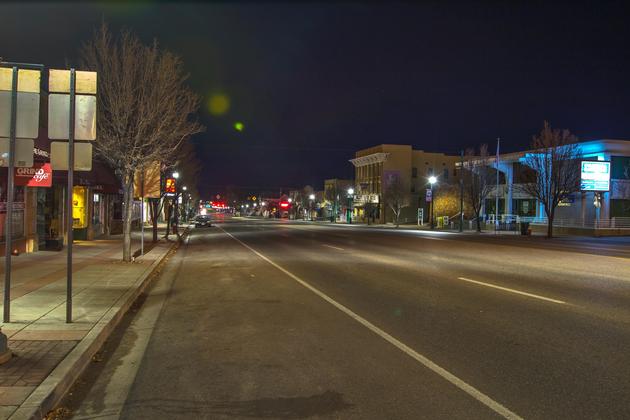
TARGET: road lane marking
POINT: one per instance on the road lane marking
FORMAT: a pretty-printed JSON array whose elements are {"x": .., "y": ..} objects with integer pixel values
[
  {"x": 518, "y": 292},
  {"x": 431, "y": 237},
  {"x": 459, "y": 383},
  {"x": 333, "y": 247}
]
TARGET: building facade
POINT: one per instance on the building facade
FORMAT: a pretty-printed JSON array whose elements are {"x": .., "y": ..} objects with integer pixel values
[
  {"x": 579, "y": 208},
  {"x": 375, "y": 165}
]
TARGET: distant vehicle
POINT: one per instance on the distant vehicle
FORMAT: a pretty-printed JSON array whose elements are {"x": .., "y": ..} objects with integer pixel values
[{"x": 202, "y": 220}]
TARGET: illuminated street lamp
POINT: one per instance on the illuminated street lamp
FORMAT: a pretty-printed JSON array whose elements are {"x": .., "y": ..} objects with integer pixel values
[
  {"x": 290, "y": 200},
  {"x": 349, "y": 210},
  {"x": 310, "y": 206},
  {"x": 432, "y": 181},
  {"x": 176, "y": 175}
]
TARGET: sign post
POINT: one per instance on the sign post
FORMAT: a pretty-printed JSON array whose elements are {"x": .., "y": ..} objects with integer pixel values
[
  {"x": 81, "y": 125},
  {"x": 70, "y": 217},
  {"x": 24, "y": 88},
  {"x": 142, "y": 214},
  {"x": 595, "y": 177},
  {"x": 8, "y": 219}
]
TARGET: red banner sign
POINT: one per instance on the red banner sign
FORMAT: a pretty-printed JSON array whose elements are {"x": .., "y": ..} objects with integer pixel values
[{"x": 40, "y": 175}]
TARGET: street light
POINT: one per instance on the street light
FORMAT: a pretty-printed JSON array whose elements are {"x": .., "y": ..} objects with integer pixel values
[
  {"x": 290, "y": 200},
  {"x": 176, "y": 205},
  {"x": 310, "y": 206},
  {"x": 432, "y": 181},
  {"x": 349, "y": 210}
]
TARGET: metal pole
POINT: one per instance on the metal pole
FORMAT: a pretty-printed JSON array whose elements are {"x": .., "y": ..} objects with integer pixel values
[
  {"x": 461, "y": 192},
  {"x": 432, "y": 198},
  {"x": 142, "y": 214},
  {"x": 69, "y": 222},
  {"x": 8, "y": 220},
  {"x": 496, "y": 195}
]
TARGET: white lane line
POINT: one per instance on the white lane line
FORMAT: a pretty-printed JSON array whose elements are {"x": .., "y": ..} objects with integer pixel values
[
  {"x": 431, "y": 237},
  {"x": 333, "y": 247},
  {"x": 518, "y": 292},
  {"x": 459, "y": 383}
]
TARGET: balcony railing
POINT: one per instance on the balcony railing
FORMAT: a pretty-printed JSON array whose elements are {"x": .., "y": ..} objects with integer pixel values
[{"x": 591, "y": 223}]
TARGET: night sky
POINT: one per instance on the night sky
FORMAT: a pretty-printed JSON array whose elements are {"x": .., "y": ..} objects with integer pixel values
[{"x": 313, "y": 82}]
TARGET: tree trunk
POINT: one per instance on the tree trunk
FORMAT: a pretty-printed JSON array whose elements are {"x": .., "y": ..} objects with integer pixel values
[
  {"x": 127, "y": 213},
  {"x": 154, "y": 206},
  {"x": 167, "y": 209},
  {"x": 478, "y": 222},
  {"x": 550, "y": 216}
]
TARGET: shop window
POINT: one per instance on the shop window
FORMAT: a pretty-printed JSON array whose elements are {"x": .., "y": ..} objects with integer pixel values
[
  {"x": 79, "y": 208},
  {"x": 96, "y": 216},
  {"x": 17, "y": 219}
]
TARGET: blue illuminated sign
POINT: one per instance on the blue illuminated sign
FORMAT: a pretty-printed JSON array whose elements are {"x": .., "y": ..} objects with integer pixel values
[{"x": 595, "y": 176}]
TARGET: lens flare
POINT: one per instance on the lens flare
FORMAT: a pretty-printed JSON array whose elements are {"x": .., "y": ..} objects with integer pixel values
[{"x": 218, "y": 104}]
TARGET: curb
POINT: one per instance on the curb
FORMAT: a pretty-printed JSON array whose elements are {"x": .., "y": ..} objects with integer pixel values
[{"x": 50, "y": 392}]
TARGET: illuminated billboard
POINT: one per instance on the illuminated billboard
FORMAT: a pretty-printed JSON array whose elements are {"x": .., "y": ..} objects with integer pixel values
[
  {"x": 169, "y": 186},
  {"x": 595, "y": 176}
]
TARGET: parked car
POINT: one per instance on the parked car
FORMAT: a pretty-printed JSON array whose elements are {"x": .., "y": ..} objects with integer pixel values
[{"x": 202, "y": 220}]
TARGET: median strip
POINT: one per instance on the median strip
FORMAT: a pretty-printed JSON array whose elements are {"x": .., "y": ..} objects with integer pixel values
[{"x": 518, "y": 292}]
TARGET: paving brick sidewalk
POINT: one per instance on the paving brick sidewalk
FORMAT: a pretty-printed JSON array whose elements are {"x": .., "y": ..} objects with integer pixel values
[{"x": 47, "y": 350}]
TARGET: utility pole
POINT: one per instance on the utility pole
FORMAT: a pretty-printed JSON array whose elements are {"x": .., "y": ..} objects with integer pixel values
[
  {"x": 496, "y": 191},
  {"x": 461, "y": 192}
]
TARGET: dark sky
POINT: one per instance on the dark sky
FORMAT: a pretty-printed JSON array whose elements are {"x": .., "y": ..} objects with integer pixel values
[{"x": 312, "y": 82}]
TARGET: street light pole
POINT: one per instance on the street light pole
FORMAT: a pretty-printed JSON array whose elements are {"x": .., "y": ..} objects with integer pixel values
[
  {"x": 461, "y": 192},
  {"x": 432, "y": 180},
  {"x": 176, "y": 207},
  {"x": 310, "y": 206},
  {"x": 349, "y": 210}
]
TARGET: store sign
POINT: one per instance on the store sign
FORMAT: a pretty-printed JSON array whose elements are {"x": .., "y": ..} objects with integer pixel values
[
  {"x": 40, "y": 175},
  {"x": 595, "y": 176},
  {"x": 169, "y": 186}
]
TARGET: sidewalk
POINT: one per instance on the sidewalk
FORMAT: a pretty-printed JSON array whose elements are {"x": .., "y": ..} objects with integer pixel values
[{"x": 50, "y": 354}]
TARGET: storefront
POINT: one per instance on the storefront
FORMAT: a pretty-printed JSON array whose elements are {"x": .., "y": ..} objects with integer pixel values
[{"x": 18, "y": 218}]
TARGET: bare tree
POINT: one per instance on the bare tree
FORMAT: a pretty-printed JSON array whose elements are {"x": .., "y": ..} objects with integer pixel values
[
  {"x": 144, "y": 108},
  {"x": 556, "y": 169},
  {"x": 369, "y": 209},
  {"x": 332, "y": 195},
  {"x": 477, "y": 180},
  {"x": 396, "y": 197}
]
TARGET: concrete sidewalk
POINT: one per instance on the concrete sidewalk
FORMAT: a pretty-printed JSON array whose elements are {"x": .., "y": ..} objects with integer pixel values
[{"x": 50, "y": 354}]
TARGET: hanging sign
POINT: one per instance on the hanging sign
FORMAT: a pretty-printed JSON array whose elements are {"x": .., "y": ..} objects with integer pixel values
[{"x": 40, "y": 175}]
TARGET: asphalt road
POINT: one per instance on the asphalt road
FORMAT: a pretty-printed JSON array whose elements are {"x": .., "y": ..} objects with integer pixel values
[{"x": 277, "y": 319}]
